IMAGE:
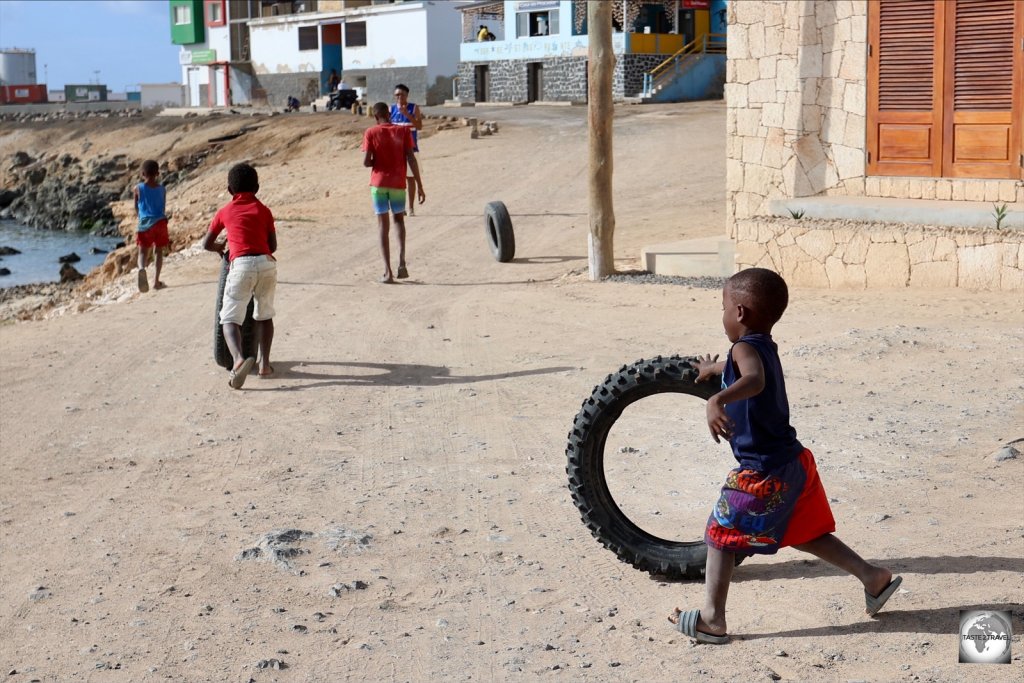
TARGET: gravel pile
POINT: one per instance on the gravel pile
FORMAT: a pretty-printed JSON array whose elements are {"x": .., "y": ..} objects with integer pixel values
[{"x": 643, "y": 277}]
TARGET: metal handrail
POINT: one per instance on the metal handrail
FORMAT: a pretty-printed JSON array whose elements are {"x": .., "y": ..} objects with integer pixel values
[
  {"x": 713, "y": 46},
  {"x": 685, "y": 49}
]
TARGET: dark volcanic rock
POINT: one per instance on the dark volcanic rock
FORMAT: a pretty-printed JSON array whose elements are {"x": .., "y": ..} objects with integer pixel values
[
  {"x": 69, "y": 258},
  {"x": 8, "y": 251},
  {"x": 68, "y": 273},
  {"x": 4, "y": 271}
]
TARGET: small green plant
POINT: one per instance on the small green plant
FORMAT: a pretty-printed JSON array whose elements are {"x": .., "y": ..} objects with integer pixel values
[
  {"x": 796, "y": 213},
  {"x": 1000, "y": 214}
]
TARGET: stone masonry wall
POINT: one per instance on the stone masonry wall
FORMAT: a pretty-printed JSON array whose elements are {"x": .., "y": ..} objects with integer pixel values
[{"x": 847, "y": 254}]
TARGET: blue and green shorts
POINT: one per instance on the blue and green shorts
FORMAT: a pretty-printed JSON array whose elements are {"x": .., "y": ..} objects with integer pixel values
[{"x": 388, "y": 199}]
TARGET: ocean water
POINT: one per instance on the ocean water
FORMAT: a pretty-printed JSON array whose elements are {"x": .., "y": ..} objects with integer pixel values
[{"x": 40, "y": 250}]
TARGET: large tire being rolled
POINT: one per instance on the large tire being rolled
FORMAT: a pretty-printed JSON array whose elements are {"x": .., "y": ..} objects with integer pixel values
[
  {"x": 498, "y": 225},
  {"x": 221, "y": 354},
  {"x": 585, "y": 452}
]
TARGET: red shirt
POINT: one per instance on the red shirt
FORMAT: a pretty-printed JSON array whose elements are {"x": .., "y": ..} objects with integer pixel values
[
  {"x": 389, "y": 144},
  {"x": 249, "y": 224}
]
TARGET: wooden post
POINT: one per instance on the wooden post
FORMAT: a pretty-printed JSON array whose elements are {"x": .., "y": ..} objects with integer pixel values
[{"x": 601, "y": 65}]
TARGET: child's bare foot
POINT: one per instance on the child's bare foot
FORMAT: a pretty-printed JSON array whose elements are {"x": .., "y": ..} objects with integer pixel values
[
  {"x": 159, "y": 285},
  {"x": 387, "y": 279},
  {"x": 266, "y": 371}
]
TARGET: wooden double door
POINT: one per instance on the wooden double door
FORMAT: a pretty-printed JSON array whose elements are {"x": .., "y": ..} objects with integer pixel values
[{"x": 946, "y": 88}]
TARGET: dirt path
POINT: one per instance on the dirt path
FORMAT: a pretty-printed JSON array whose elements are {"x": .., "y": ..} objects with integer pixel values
[{"x": 413, "y": 440}]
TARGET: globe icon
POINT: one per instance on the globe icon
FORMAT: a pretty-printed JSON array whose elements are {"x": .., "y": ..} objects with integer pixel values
[{"x": 985, "y": 637}]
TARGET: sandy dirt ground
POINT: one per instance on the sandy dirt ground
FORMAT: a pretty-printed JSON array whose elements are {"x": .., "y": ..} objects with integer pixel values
[{"x": 393, "y": 505}]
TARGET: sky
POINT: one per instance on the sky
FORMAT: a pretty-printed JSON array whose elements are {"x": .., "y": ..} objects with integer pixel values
[{"x": 127, "y": 41}]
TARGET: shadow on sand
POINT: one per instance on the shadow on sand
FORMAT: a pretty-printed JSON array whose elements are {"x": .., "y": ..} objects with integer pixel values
[{"x": 316, "y": 374}]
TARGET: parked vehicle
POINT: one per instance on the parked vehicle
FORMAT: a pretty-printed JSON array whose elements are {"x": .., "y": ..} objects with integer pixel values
[{"x": 342, "y": 99}]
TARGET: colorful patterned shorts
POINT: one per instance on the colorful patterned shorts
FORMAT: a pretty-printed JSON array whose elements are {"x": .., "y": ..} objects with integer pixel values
[{"x": 760, "y": 512}]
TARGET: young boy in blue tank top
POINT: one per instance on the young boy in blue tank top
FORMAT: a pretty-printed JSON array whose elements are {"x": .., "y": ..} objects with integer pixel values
[
  {"x": 151, "y": 233},
  {"x": 774, "y": 498}
]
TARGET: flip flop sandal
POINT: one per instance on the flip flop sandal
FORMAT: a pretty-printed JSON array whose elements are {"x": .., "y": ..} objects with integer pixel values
[
  {"x": 874, "y": 603},
  {"x": 143, "y": 281},
  {"x": 402, "y": 273},
  {"x": 687, "y": 625},
  {"x": 238, "y": 376}
]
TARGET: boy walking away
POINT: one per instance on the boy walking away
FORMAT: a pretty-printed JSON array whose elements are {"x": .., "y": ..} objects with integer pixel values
[
  {"x": 251, "y": 243},
  {"x": 388, "y": 148},
  {"x": 405, "y": 113},
  {"x": 774, "y": 498},
  {"x": 150, "y": 200}
]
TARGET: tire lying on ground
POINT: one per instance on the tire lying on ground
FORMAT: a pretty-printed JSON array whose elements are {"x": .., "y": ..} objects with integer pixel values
[
  {"x": 498, "y": 225},
  {"x": 221, "y": 353},
  {"x": 585, "y": 467}
]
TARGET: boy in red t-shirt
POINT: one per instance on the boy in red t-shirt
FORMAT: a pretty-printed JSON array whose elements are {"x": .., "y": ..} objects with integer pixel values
[
  {"x": 388, "y": 149},
  {"x": 251, "y": 242}
]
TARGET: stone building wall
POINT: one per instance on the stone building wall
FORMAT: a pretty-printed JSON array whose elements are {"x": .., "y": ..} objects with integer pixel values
[
  {"x": 796, "y": 97},
  {"x": 565, "y": 78},
  {"x": 847, "y": 254}
]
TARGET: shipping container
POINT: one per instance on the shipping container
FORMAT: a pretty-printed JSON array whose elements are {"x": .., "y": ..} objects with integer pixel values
[
  {"x": 23, "y": 94},
  {"x": 85, "y": 93}
]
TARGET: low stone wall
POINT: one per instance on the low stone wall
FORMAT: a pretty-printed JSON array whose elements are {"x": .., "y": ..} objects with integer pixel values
[{"x": 853, "y": 255}]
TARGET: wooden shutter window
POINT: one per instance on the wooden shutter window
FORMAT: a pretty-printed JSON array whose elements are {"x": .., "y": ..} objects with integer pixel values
[
  {"x": 983, "y": 55},
  {"x": 904, "y": 101},
  {"x": 946, "y": 88},
  {"x": 906, "y": 60},
  {"x": 981, "y": 132}
]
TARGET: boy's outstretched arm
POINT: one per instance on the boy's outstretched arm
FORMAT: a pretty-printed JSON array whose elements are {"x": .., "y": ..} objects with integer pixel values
[
  {"x": 750, "y": 383},
  {"x": 210, "y": 243}
]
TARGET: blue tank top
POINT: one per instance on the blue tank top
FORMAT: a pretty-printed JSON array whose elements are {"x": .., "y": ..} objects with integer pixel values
[
  {"x": 763, "y": 439},
  {"x": 151, "y": 205},
  {"x": 399, "y": 116}
]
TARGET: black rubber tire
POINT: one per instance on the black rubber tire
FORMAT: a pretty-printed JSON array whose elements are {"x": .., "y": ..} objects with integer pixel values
[
  {"x": 585, "y": 467},
  {"x": 221, "y": 354},
  {"x": 500, "y": 237}
]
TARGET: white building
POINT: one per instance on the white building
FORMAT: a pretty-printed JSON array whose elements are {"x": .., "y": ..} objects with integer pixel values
[{"x": 268, "y": 51}]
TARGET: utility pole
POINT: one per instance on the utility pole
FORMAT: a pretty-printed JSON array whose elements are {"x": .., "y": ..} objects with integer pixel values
[{"x": 601, "y": 64}]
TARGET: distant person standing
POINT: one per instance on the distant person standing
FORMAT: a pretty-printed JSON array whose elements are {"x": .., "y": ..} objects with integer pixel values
[
  {"x": 150, "y": 199},
  {"x": 333, "y": 80},
  {"x": 388, "y": 149},
  {"x": 405, "y": 113}
]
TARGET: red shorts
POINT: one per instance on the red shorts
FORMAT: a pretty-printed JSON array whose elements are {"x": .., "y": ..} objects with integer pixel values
[
  {"x": 760, "y": 512},
  {"x": 156, "y": 236}
]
